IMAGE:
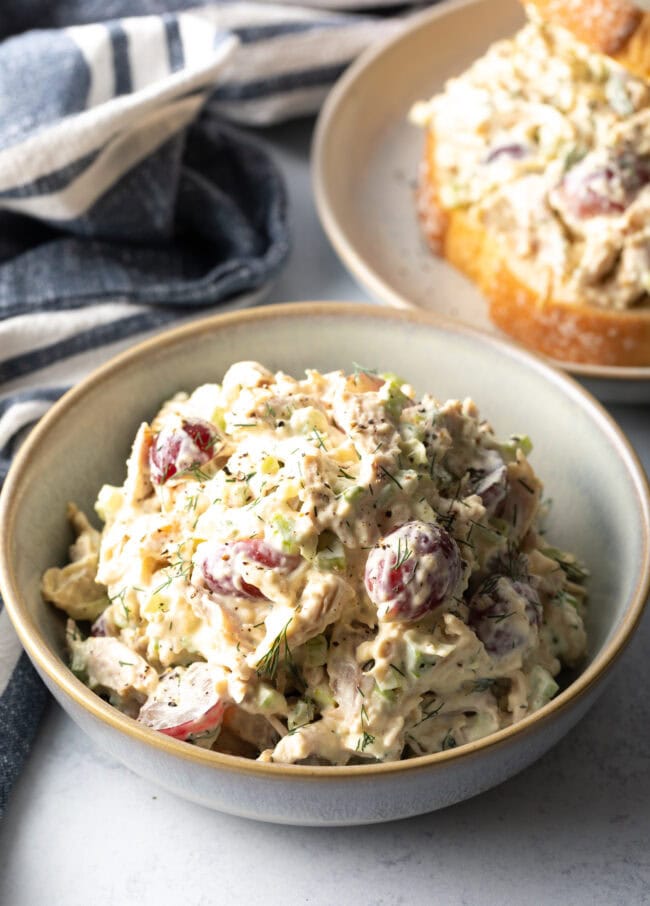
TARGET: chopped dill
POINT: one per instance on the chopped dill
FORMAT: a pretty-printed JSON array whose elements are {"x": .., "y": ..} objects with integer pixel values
[{"x": 390, "y": 476}]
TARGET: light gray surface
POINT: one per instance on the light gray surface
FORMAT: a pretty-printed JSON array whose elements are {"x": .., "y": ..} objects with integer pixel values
[{"x": 573, "y": 829}]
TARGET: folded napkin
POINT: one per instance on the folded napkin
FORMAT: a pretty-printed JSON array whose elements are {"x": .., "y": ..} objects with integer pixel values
[{"x": 129, "y": 200}]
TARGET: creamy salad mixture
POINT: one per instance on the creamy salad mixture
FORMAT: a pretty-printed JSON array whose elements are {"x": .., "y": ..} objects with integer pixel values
[
  {"x": 551, "y": 144},
  {"x": 326, "y": 570}
]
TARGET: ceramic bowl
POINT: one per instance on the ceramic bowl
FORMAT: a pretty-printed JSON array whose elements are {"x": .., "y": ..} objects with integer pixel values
[{"x": 600, "y": 511}]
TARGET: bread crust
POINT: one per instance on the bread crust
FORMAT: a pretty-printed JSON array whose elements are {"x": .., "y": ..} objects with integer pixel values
[
  {"x": 561, "y": 330},
  {"x": 617, "y": 28}
]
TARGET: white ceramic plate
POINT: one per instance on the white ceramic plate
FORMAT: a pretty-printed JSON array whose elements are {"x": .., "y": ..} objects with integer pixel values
[
  {"x": 601, "y": 511},
  {"x": 366, "y": 158}
]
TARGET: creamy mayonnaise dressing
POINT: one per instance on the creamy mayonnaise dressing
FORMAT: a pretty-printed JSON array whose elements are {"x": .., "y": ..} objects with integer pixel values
[{"x": 321, "y": 570}]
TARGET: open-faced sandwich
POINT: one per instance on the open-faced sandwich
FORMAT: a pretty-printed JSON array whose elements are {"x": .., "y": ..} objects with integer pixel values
[{"x": 536, "y": 180}]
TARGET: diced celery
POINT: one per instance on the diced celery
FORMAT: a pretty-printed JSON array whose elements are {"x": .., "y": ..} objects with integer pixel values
[
  {"x": 300, "y": 714},
  {"x": 322, "y": 695},
  {"x": 308, "y": 420},
  {"x": 353, "y": 493},
  {"x": 414, "y": 451},
  {"x": 284, "y": 532},
  {"x": 219, "y": 418},
  {"x": 309, "y": 548},
  {"x": 417, "y": 660},
  {"x": 314, "y": 651},
  {"x": 394, "y": 399},
  {"x": 516, "y": 442},
  {"x": 78, "y": 664},
  {"x": 541, "y": 687},
  {"x": 269, "y": 699},
  {"x": 331, "y": 553},
  {"x": 390, "y": 695},
  {"x": 391, "y": 377}
]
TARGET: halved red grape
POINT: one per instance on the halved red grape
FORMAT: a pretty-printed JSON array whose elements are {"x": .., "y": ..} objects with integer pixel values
[
  {"x": 491, "y": 608},
  {"x": 177, "y": 450},
  {"x": 185, "y": 703},
  {"x": 514, "y": 151},
  {"x": 222, "y": 565},
  {"x": 608, "y": 188},
  {"x": 412, "y": 570}
]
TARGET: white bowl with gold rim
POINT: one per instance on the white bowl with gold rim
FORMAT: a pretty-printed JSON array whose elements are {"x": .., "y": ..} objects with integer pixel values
[{"x": 601, "y": 511}]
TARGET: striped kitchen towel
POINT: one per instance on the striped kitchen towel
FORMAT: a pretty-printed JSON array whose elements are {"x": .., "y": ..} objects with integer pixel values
[{"x": 130, "y": 197}]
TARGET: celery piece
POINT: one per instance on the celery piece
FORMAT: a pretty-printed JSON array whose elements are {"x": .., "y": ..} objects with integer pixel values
[
  {"x": 309, "y": 548},
  {"x": 414, "y": 451},
  {"x": 353, "y": 493},
  {"x": 219, "y": 418},
  {"x": 300, "y": 714},
  {"x": 269, "y": 699},
  {"x": 314, "y": 651},
  {"x": 331, "y": 553},
  {"x": 417, "y": 660},
  {"x": 541, "y": 687},
  {"x": 284, "y": 532},
  {"x": 390, "y": 695},
  {"x": 322, "y": 695},
  {"x": 508, "y": 449},
  {"x": 394, "y": 399}
]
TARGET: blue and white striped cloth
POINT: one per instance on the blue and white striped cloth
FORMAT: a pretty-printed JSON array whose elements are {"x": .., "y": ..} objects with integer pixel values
[{"x": 129, "y": 200}]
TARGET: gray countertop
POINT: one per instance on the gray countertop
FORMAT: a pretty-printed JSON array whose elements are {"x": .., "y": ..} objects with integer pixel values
[{"x": 572, "y": 829}]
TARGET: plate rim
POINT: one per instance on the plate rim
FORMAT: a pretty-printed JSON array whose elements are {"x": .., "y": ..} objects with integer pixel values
[
  {"x": 336, "y": 233},
  {"x": 60, "y": 675}
]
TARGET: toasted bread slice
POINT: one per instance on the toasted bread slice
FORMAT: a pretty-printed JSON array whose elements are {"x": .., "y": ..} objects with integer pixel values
[
  {"x": 519, "y": 303},
  {"x": 617, "y": 28}
]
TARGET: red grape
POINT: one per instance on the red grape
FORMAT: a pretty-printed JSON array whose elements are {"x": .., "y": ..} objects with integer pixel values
[
  {"x": 184, "y": 704},
  {"x": 412, "y": 570},
  {"x": 604, "y": 189},
  {"x": 493, "y": 605},
  {"x": 177, "y": 450},
  {"x": 221, "y": 565}
]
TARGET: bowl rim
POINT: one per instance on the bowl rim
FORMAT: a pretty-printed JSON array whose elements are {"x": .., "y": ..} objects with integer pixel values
[
  {"x": 52, "y": 665},
  {"x": 336, "y": 227}
]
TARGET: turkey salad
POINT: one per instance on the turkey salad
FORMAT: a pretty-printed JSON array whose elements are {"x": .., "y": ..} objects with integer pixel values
[{"x": 326, "y": 570}]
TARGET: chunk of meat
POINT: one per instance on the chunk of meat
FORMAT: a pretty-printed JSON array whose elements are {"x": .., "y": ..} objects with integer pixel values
[
  {"x": 109, "y": 665},
  {"x": 73, "y": 588},
  {"x": 185, "y": 703}
]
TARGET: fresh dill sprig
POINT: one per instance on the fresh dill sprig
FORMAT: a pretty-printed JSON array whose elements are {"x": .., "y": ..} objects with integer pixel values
[
  {"x": 365, "y": 740},
  {"x": 319, "y": 439},
  {"x": 268, "y": 665},
  {"x": 390, "y": 476},
  {"x": 402, "y": 555},
  {"x": 429, "y": 714},
  {"x": 120, "y": 596},
  {"x": 179, "y": 568}
]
